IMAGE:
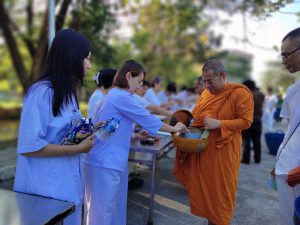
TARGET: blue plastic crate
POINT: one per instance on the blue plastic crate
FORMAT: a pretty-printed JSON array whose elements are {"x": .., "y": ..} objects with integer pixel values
[
  {"x": 297, "y": 211},
  {"x": 273, "y": 140}
]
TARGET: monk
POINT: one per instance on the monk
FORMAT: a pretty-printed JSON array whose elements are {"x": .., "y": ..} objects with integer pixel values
[{"x": 211, "y": 177}]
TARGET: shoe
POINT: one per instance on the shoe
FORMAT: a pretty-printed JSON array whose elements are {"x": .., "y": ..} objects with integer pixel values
[
  {"x": 135, "y": 183},
  {"x": 134, "y": 174},
  {"x": 245, "y": 162}
]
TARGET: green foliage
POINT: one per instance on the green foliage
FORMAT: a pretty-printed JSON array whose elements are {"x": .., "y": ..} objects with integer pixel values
[
  {"x": 277, "y": 76},
  {"x": 95, "y": 20},
  {"x": 237, "y": 64},
  {"x": 167, "y": 36},
  {"x": 9, "y": 82}
]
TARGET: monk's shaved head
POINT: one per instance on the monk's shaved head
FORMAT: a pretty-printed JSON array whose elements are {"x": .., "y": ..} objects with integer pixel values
[{"x": 215, "y": 65}]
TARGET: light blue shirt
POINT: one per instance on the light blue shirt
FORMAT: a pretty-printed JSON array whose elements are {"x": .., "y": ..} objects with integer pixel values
[
  {"x": 151, "y": 97},
  {"x": 113, "y": 152},
  {"x": 142, "y": 102},
  {"x": 96, "y": 96},
  {"x": 55, "y": 177}
]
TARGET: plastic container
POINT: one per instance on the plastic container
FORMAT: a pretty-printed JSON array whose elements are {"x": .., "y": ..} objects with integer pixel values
[
  {"x": 273, "y": 141},
  {"x": 297, "y": 211},
  {"x": 107, "y": 129}
]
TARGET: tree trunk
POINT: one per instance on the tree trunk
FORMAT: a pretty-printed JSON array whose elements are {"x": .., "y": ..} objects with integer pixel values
[
  {"x": 13, "y": 49},
  {"x": 39, "y": 59}
]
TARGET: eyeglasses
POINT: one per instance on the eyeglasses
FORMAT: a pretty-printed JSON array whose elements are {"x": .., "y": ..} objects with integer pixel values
[
  {"x": 286, "y": 55},
  {"x": 211, "y": 81}
]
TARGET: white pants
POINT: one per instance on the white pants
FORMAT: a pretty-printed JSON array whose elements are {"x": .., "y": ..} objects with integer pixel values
[
  {"x": 286, "y": 197},
  {"x": 268, "y": 120},
  {"x": 105, "y": 196}
]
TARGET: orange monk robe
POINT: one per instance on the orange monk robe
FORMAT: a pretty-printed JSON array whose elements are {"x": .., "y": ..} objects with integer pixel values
[{"x": 211, "y": 177}]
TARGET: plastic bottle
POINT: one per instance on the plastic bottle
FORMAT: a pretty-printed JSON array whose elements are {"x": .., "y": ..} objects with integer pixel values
[{"x": 107, "y": 129}]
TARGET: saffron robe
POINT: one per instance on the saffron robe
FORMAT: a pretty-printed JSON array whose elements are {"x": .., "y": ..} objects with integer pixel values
[{"x": 211, "y": 177}]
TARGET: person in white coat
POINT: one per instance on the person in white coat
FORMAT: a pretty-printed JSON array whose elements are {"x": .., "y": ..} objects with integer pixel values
[
  {"x": 106, "y": 164},
  {"x": 269, "y": 110},
  {"x": 50, "y": 107},
  {"x": 288, "y": 156}
]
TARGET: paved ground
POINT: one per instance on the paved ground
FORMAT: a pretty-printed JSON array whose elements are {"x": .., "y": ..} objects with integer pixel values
[{"x": 256, "y": 202}]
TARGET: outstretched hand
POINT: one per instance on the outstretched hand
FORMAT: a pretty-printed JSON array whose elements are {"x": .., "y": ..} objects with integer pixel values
[
  {"x": 180, "y": 127},
  {"x": 140, "y": 135}
]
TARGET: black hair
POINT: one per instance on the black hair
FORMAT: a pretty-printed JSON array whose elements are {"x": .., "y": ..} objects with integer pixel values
[
  {"x": 146, "y": 83},
  {"x": 156, "y": 80},
  {"x": 250, "y": 84},
  {"x": 292, "y": 34},
  {"x": 269, "y": 89},
  {"x": 98, "y": 79},
  {"x": 171, "y": 87},
  {"x": 107, "y": 77},
  {"x": 65, "y": 67}
]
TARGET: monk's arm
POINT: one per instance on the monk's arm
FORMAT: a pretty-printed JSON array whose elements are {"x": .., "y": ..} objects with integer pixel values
[{"x": 244, "y": 113}]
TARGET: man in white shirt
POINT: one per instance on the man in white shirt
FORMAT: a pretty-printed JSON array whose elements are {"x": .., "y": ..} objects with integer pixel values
[{"x": 288, "y": 156}]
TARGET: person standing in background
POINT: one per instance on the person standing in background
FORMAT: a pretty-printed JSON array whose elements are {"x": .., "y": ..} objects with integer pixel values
[
  {"x": 44, "y": 167},
  {"x": 269, "y": 110},
  {"x": 198, "y": 86},
  {"x": 253, "y": 133},
  {"x": 288, "y": 156},
  {"x": 103, "y": 80}
]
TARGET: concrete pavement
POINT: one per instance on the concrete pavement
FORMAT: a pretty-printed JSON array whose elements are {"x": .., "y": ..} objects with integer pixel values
[{"x": 256, "y": 202}]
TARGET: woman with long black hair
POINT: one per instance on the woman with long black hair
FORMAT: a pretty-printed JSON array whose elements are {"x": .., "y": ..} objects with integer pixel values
[{"x": 50, "y": 109}]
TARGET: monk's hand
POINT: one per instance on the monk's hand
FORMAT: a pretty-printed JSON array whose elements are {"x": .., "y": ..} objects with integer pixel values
[{"x": 211, "y": 123}]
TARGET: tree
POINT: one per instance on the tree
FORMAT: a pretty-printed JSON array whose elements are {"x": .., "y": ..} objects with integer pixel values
[
  {"x": 277, "y": 76},
  {"x": 166, "y": 35},
  {"x": 171, "y": 37},
  {"x": 88, "y": 16},
  {"x": 237, "y": 64}
]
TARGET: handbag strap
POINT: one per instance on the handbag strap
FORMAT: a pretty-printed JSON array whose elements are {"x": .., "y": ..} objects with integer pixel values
[{"x": 287, "y": 140}]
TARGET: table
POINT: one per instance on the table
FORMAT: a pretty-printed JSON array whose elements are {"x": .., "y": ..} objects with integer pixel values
[
  {"x": 158, "y": 150},
  {"x": 25, "y": 209}
]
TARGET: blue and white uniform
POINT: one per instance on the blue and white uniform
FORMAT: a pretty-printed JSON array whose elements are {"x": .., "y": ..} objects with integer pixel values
[
  {"x": 54, "y": 177},
  {"x": 106, "y": 163},
  {"x": 96, "y": 96},
  {"x": 151, "y": 97}
]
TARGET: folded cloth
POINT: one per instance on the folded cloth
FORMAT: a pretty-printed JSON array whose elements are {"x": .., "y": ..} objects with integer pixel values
[{"x": 293, "y": 177}]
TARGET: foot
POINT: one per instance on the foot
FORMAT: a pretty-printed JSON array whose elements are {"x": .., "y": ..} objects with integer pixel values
[
  {"x": 245, "y": 162},
  {"x": 135, "y": 183}
]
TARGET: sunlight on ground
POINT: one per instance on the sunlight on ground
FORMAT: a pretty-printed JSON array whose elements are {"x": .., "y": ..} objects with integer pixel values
[{"x": 168, "y": 203}]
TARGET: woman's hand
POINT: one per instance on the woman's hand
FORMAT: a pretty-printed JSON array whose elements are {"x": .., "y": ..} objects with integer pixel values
[
  {"x": 180, "y": 127},
  {"x": 211, "y": 123},
  {"x": 86, "y": 145},
  {"x": 142, "y": 134}
]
